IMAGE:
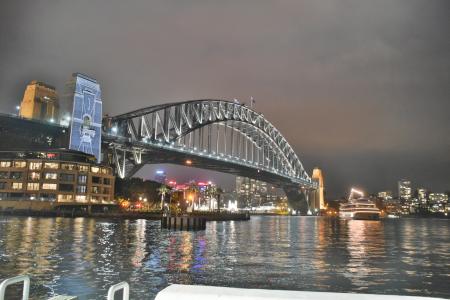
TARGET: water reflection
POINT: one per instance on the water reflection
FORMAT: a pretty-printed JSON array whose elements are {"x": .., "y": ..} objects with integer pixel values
[{"x": 85, "y": 256}]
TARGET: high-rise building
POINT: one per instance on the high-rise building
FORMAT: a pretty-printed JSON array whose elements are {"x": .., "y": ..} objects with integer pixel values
[
  {"x": 82, "y": 107},
  {"x": 385, "y": 195},
  {"x": 160, "y": 176},
  {"x": 404, "y": 190},
  {"x": 40, "y": 102},
  {"x": 318, "y": 200},
  {"x": 251, "y": 192},
  {"x": 438, "y": 202},
  {"x": 422, "y": 196}
]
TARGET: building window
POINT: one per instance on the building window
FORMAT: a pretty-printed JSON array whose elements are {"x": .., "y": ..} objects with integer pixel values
[
  {"x": 106, "y": 181},
  {"x": 34, "y": 176},
  {"x": 66, "y": 187},
  {"x": 104, "y": 171},
  {"x": 49, "y": 186},
  {"x": 51, "y": 176},
  {"x": 16, "y": 185},
  {"x": 32, "y": 197},
  {"x": 81, "y": 189},
  {"x": 16, "y": 175},
  {"x": 4, "y": 175},
  {"x": 3, "y": 185},
  {"x": 106, "y": 191},
  {"x": 51, "y": 165},
  {"x": 64, "y": 198},
  {"x": 95, "y": 169},
  {"x": 35, "y": 165},
  {"x": 69, "y": 167},
  {"x": 66, "y": 177},
  {"x": 19, "y": 164},
  {"x": 96, "y": 179},
  {"x": 94, "y": 198},
  {"x": 48, "y": 197},
  {"x": 5, "y": 164},
  {"x": 95, "y": 190},
  {"x": 83, "y": 168},
  {"x": 16, "y": 196},
  {"x": 82, "y": 178},
  {"x": 3, "y": 196},
  {"x": 33, "y": 186},
  {"x": 80, "y": 198}
]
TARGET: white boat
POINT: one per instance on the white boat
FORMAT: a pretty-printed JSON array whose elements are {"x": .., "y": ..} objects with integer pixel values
[{"x": 359, "y": 209}]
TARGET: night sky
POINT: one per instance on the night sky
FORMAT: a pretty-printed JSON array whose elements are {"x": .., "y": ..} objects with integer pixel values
[{"x": 360, "y": 88}]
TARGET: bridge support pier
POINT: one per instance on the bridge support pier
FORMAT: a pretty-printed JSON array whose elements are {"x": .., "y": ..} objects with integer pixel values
[{"x": 297, "y": 199}]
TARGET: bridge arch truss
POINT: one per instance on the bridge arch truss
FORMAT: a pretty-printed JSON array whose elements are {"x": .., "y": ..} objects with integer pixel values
[{"x": 218, "y": 130}]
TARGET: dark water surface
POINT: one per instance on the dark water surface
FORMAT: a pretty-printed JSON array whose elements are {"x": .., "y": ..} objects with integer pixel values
[{"x": 85, "y": 256}]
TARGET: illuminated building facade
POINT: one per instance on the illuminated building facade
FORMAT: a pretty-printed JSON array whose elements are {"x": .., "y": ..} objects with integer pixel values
[
  {"x": 59, "y": 176},
  {"x": 318, "y": 200},
  {"x": 252, "y": 193},
  {"x": 40, "y": 102},
  {"x": 83, "y": 109},
  {"x": 385, "y": 195},
  {"x": 438, "y": 202},
  {"x": 161, "y": 176},
  {"x": 404, "y": 190},
  {"x": 422, "y": 200}
]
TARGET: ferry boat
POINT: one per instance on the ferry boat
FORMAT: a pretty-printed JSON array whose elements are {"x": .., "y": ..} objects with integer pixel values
[{"x": 359, "y": 208}]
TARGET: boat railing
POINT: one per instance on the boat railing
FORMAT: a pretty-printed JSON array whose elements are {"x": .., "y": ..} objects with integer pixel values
[
  {"x": 117, "y": 287},
  {"x": 13, "y": 280},
  {"x": 199, "y": 292}
]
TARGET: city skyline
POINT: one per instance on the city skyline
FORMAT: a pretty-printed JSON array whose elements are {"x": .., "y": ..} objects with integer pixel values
[{"x": 368, "y": 108}]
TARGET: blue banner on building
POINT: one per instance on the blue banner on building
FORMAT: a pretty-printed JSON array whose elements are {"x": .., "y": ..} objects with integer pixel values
[{"x": 86, "y": 119}]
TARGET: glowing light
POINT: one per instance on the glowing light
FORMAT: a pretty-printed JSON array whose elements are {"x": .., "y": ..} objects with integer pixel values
[
  {"x": 160, "y": 172},
  {"x": 189, "y": 162},
  {"x": 114, "y": 129}
]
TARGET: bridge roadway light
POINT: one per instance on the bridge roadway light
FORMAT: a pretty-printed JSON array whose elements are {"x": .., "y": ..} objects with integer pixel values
[{"x": 188, "y": 162}]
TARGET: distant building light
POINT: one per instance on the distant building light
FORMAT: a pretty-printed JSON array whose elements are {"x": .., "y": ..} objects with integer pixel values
[
  {"x": 114, "y": 129},
  {"x": 160, "y": 172},
  {"x": 189, "y": 162}
]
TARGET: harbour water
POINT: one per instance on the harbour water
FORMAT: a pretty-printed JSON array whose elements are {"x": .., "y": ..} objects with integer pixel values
[{"x": 84, "y": 256}]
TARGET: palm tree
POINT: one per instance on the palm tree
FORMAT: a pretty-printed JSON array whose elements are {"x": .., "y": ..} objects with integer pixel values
[
  {"x": 219, "y": 193},
  {"x": 193, "y": 188},
  {"x": 163, "y": 191},
  {"x": 210, "y": 192}
]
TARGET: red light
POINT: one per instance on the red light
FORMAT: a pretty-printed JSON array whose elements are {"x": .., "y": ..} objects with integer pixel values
[
  {"x": 201, "y": 183},
  {"x": 51, "y": 155}
]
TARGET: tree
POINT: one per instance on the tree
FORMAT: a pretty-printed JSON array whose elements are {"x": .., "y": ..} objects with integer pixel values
[
  {"x": 219, "y": 193},
  {"x": 210, "y": 192},
  {"x": 163, "y": 191},
  {"x": 133, "y": 188},
  {"x": 193, "y": 188}
]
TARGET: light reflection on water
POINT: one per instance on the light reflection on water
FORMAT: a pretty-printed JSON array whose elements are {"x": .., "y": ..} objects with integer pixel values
[{"x": 84, "y": 256}]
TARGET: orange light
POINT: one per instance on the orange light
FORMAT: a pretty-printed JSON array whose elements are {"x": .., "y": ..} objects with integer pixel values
[{"x": 189, "y": 162}]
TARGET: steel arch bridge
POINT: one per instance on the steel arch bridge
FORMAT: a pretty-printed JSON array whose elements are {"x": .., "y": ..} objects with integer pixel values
[{"x": 210, "y": 134}]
